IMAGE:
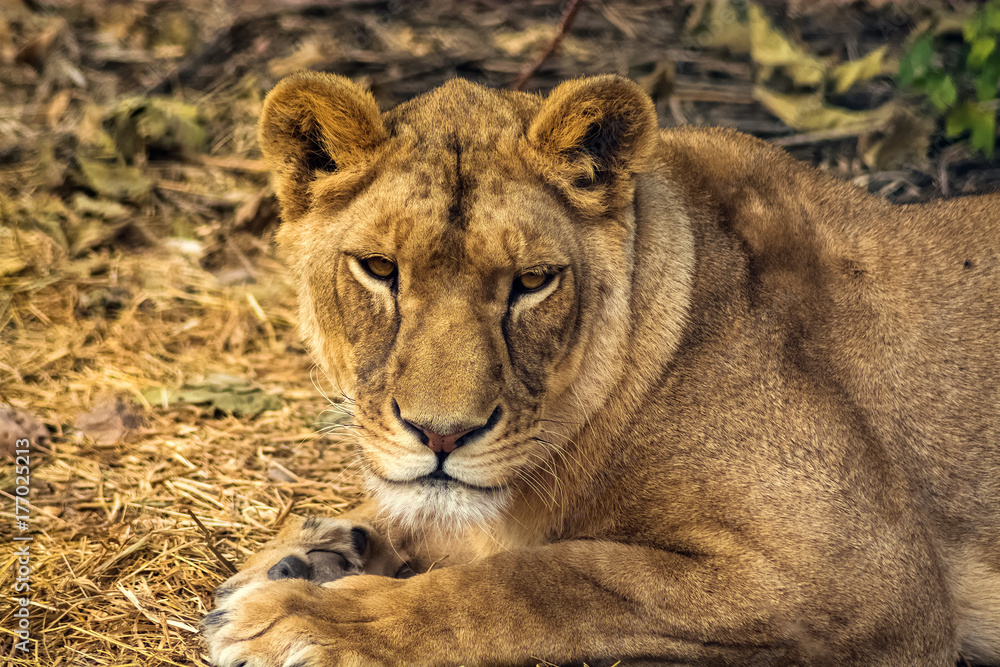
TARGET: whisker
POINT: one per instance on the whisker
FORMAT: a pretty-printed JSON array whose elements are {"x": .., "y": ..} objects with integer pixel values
[
  {"x": 537, "y": 485},
  {"x": 560, "y": 422},
  {"x": 549, "y": 466},
  {"x": 563, "y": 449}
]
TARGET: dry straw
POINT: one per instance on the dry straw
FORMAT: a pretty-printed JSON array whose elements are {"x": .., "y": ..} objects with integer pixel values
[
  {"x": 135, "y": 268},
  {"x": 135, "y": 261},
  {"x": 121, "y": 569}
]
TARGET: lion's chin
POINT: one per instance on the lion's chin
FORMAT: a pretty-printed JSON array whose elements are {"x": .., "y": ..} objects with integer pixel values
[{"x": 446, "y": 505}]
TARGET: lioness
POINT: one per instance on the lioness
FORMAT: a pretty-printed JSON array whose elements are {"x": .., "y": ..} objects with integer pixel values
[{"x": 623, "y": 393}]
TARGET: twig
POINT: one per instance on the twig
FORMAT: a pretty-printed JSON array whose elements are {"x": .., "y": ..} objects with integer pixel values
[
  {"x": 283, "y": 514},
  {"x": 209, "y": 542},
  {"x": 565, "y": 21},
  {"x": 817, "y": 136}
]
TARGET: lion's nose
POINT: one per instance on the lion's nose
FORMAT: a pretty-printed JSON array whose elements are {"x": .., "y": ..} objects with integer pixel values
[
  {"x": 443, "y": 443},
  {"x": 455, "y": 434}
]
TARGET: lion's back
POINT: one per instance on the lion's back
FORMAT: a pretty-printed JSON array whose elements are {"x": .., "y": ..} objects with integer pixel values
[{"x": 895, "y": 307}]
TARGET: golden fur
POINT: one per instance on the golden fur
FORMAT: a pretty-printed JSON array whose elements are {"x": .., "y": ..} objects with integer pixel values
[{"x": 750, "y": 416}]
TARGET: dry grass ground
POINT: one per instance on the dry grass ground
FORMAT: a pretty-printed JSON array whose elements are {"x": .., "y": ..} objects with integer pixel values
[
  {"x": 157, "y": 272},
  {"x": 138, "y": 284},
  {"x": 120, "y": 572}
]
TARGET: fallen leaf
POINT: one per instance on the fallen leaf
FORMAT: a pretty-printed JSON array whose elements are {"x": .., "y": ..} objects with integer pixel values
[
  {"x": 847, "y": 74},
  {"x": 105, "y": 302},
  {"x": 57, "y": 107},
  {"x": 17, "y": 424},
  {"x": 770, "y": 48},
  {"x": 659, "y": 83},
  {"x": 21, "y": 249},
  {"x": 904, "y": 141},
  {"x": 809, "y": 112},
  {"x": 118, "y": 181},
  {"x": 225, "y": 393},
  {"x": 257, "y": 213},
  {"x": 523, "y": 42},
  {"x": 311, "y": 52},
  {"x": 99, "y": 221},
  {"x": 719, "y": 24},
  {"x": 101, "y": 208},
  {"x": 403, "y": 38},
  {"x": 110, "y": 421},
  {"x": 144, "y": 124},
  {"x": 279, "y": 473},
  {"x": 36, "y": 50}
]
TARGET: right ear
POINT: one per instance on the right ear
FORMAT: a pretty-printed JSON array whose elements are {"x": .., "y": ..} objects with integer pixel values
[
  {"x": 591, "y": 136},
  {"x": 318, "y": 133}
]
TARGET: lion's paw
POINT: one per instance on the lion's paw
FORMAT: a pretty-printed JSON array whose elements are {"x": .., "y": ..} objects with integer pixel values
[
  {"x": 275, "y": 612},
  {"x": 256, "y": 626},
  {"x": 319, "y": 551},
  {"x": 286, "y": 623}
]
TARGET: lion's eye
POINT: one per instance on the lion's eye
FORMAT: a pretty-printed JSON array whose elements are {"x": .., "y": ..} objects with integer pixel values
[
  {"x": 379, "y": 267},
  {"x": 529, "y": 281}
]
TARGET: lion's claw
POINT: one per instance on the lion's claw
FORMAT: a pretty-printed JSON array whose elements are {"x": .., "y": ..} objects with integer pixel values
[{"x": 265, "y": 612}]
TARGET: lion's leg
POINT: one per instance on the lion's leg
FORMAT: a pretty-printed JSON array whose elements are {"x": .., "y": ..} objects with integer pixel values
[
  {"x": 321, "y": 550},
  {"x": 574, "y": 601}
]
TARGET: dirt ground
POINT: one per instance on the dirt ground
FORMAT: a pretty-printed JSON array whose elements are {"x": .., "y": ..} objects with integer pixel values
[{"x": 147, "y": 330}]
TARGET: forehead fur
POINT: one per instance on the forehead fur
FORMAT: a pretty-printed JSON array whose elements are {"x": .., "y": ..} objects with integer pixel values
[
  {"x": 453, "y": 183},
  {"x": 458, "y": 165},
  {"x": 462, "y": 143},
  {"x": 460, "y": 111}
]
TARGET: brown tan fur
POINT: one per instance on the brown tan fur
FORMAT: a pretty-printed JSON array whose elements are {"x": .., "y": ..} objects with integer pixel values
[{"x": 751, "y": 420}]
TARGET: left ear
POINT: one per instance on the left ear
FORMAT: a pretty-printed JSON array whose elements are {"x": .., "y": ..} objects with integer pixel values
[
  {"x": 317, "y": 128},
  {"x": 591, "y": 135}
]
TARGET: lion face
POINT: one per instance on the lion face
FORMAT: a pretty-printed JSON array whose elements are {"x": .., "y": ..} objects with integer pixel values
[
  {"x": 457, "y": 328},
  {"x": 456, "y": 278}
]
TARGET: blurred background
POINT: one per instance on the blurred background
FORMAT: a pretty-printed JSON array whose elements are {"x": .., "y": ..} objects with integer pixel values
[{"x": 147, "y": 341}]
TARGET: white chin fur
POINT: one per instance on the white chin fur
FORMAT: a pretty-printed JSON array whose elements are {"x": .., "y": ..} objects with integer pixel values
[{"x": 447, "y": 507}]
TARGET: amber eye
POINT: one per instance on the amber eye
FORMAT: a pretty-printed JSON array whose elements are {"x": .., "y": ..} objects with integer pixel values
[
  {"x": 379, "y": 267},
  {"x": 529, "y": 281}
]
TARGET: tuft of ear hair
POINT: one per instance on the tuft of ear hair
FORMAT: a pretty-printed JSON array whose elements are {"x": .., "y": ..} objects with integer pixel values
[
  {"x": 591, "y": 135},
  {"x": 313, "y": 125}
]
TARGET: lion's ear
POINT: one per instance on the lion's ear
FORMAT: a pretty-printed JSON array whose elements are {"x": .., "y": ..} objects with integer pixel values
[
  {"x": 314, "y": 125},
  {"x": 591, "y": 133}
]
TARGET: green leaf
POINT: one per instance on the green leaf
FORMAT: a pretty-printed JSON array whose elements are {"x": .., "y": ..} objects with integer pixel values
[
  {"x": 985, "y": 22},
  {"x": 916, "y": 60},
  {"x": 980, "y": 50},
  {"x": 986, "y": 80},
  {"x": 980, "y": 119},
  {"x": 983, "y": 137},
  {"x": 957, "y": 121},
  {"x": 940, "y": 90},
  {"x": 221, "y": 392},
  {"x": 991, "y": 17},
  {"x": 972, "y": 29}
]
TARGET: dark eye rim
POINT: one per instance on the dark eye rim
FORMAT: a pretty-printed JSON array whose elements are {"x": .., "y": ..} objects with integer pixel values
[
  {"x": 363, "y": 262},
  {"x": 550, "y": 273}
]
